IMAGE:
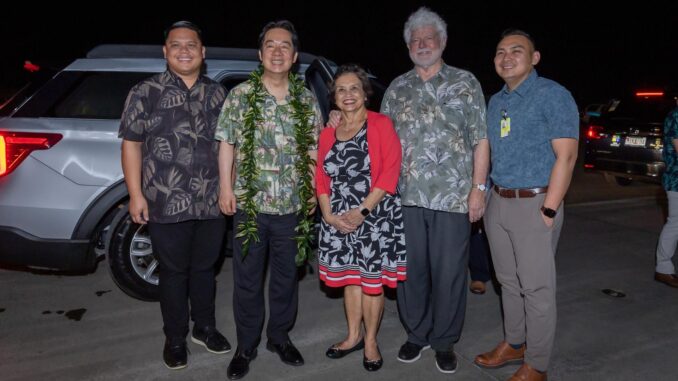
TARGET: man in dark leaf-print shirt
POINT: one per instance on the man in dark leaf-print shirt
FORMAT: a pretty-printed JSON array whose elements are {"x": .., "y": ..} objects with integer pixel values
[{"x": 169, "y": 158}]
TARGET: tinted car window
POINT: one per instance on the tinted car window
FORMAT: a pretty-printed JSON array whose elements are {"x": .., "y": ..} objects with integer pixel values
[
  {"x": 232, "y": 81},
  {"x": 90, "y": 95},
  {"x": 652, "y": 109}
]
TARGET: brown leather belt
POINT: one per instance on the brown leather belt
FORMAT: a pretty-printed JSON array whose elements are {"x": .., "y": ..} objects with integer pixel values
[{"x": 519, "y": 193}]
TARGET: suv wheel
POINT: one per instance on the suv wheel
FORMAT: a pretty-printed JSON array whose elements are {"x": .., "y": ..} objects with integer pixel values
[{"x": 131, "y": 262}]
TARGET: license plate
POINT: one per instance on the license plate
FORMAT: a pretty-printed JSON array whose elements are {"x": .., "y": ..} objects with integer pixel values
[{"x": 634, "y": 141}]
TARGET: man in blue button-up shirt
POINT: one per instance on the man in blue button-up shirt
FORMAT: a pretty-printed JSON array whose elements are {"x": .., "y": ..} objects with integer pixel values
[{"x": 532, "y": 126}]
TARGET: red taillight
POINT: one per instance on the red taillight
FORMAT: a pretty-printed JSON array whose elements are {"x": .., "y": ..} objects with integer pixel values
[
  {"x": 647, "y": 94},
  {"x": 31, "y": 67},
  {"x": 595, "y": 132},
  {"x": 16, "y": 146}
]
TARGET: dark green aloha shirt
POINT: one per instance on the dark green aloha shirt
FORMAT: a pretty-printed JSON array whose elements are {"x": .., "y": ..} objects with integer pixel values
[
  {"x": 275, "y": 147},
  {"x": 670, "y": 178},
  {"x": 180, "y": 172},
  {"x": 439, "y": 123}
]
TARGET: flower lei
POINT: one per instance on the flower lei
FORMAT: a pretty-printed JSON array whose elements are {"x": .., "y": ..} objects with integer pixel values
[{"x": 249, "y": 172}]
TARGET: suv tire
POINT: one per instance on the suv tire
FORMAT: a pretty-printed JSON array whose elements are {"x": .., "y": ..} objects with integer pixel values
[{"x": 131, "y": 262}]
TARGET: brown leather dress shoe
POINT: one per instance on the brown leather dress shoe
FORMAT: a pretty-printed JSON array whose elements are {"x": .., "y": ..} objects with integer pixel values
[
  {"x": 477, "y": 287},
  {"x": 501, "y": 355},
  {"x": 528, "y": 373},
  {"x": 668, "y": 279}
]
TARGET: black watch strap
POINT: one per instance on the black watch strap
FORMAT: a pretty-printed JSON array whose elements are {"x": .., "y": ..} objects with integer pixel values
[{"x": 548, "y": 212}]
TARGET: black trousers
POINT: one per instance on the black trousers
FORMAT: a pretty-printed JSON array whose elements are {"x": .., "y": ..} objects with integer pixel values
[
  {"x": 277, "y": 247},
  {"x": 479, "y": 254},
  {"x": 187, "y": 252}
]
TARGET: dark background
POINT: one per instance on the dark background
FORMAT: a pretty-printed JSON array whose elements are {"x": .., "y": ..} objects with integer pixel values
[{"x": 596, "y": 50}]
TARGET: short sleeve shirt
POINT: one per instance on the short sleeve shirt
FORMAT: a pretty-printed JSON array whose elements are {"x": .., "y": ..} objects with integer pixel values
[
  {"x": 670, "y": 177},
  {"x": 180, "y": 173},
  {"x": 439, "y": 122},
  {"x": 538, "y": 110},
  {"x": 275, "y": 147}
]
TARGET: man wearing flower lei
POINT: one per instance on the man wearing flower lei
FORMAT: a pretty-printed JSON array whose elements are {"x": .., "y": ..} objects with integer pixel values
[{"x": 268, "y": 130}]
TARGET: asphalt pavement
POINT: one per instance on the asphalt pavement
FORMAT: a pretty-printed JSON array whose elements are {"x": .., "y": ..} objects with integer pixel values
[{"x": 82, "y": 327}]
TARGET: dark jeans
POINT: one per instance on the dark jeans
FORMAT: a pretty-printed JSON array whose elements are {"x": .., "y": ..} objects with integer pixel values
[
  {"x": 187, "y": 252},
  {"x": 276, "y": 244}
]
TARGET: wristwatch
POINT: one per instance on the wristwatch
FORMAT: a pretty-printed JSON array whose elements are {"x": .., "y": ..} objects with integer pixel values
[
  {"x": 480, "y": 187},
  {"x": 364, "y": 211},
  {"x": 548, "y": 212}
]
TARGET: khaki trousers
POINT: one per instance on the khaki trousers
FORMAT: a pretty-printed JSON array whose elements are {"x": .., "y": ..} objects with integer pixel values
[{"x": 523, "y": 252}]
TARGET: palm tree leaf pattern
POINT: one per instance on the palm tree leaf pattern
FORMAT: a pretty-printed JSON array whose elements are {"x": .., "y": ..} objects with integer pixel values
[
  {"x": 439, "y": 122},
  {"x": 372, "y": 255},
  {"x": 275, "y": 147},
  {"x": 176, "y": 125}
]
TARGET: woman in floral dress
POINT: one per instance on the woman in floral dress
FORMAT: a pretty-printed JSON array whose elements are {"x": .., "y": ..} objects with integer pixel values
[{"x": 362, "y": 242}]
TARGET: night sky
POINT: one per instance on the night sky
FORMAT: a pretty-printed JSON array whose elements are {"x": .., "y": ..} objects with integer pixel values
[{"x": 586, "y": 48}]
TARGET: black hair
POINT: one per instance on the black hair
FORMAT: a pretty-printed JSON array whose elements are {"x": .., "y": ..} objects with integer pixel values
[
  {"x": 184, "y": 24},
  {"x": 283, "y": 24},
  {"x": 519, "y": 32},
  {"x": 360, "y": 73}
]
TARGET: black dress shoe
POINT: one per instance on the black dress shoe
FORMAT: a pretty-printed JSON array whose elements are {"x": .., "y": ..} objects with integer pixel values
[
  {"x": 373, "y": 365},
  {"x": 240, "y": 364},
  {"x": 175, "y": 353},
  {"x": 335, "y": 353},
  {"x": 287, "y": 352}
]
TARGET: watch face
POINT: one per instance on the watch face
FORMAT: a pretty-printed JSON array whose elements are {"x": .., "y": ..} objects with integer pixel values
[{"x": 365, "y": 212}]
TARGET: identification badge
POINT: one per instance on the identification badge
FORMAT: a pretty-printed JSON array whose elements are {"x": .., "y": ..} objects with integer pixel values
[{"x": 505, "y": 127}]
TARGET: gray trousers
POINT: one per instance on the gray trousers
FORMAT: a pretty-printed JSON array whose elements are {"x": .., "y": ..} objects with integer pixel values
[
  {"x": 432, "y": 301},
  {"x": 668, "y": 237},
  {"x": 523, "y": 252}
]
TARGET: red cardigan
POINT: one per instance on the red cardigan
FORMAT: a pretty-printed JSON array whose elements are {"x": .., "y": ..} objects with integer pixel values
[{"x": 384, "y": 150}]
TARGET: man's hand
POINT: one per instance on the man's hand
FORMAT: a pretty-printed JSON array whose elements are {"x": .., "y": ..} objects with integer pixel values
[
  {"x": 334, "y": 119},
  {"x": 314, "y": 202},
  {"x": 138, "y": 210},
  {"x": 476, "y": 205},
  {"x": 227, "y": 201},
  {"x": 547, "y": 221}
]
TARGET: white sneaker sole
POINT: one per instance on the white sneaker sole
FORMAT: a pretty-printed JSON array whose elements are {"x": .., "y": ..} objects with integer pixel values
[
  {"x": 446, "y": 371},
  {"x": 175, "y": 367},
  {"x": 416, "y": 358},
  {"x": 193, "y": 339}
]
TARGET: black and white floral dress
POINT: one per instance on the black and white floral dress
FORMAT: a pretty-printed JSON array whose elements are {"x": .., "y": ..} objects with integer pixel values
[{"x": 374, "y": 255}]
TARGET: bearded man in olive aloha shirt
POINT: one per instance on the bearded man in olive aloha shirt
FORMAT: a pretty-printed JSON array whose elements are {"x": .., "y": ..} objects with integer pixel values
[{"x": 439, "y": 114}]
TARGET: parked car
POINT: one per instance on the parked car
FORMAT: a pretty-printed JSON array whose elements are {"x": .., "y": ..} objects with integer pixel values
[
  {"x": 625, "y": 142},
  {"x": 63, "y": 200}
]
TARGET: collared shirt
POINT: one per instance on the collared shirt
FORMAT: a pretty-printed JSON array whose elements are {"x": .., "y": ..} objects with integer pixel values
[
  {"x": 439, "y": 123},
  {"x": 275, "y": 147},
  {"x": 539, "y": 111},
  {"x": 180, "y": 172},
  {"x": 670, "y": 177}
]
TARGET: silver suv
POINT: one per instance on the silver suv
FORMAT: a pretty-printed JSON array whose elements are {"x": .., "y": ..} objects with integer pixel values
[{"x": 63, "y": 201}]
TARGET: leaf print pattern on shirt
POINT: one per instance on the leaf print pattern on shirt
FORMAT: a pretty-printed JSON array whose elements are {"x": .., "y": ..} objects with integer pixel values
[
  {"x": 439, "y": 122},
  {"x": 176, "y": 128}
]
